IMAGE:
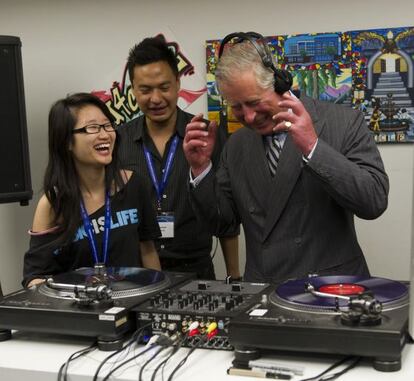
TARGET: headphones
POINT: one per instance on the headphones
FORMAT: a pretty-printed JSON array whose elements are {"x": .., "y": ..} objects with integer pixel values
[{"x": 283, "y": 79}]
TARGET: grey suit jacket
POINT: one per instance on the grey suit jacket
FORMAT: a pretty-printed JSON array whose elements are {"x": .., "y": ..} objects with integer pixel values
[{"x": 301, "y": 220}]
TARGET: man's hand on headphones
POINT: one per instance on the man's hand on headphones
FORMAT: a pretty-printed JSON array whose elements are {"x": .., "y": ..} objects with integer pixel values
[
  {"x": 296, "y": 121},
  {"x": 198, "y": 143}
]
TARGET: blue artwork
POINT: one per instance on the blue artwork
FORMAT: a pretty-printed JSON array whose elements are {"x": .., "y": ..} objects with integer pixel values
[{"x": 369, "y": 70}]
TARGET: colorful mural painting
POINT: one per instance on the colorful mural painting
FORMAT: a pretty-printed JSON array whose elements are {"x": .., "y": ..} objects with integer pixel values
[
  {"x": 121, "y": 101},
  {"x": 369, "y": 70}
]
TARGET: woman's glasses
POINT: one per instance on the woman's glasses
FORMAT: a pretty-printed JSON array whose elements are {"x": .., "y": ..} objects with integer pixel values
[{"x": 95, "y": 128}]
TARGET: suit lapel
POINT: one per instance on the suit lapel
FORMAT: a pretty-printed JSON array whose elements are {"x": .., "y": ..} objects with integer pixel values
[{"x": 288, "y": 170}]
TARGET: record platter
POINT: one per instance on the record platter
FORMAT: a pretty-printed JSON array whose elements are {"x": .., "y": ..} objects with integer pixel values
[
  {"x": 92, "y": 302},
  {"x": 347, "y": 315}
]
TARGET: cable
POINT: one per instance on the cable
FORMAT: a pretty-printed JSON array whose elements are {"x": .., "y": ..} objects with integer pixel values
[
  {"x": 173, "y": 352},
  {"x": 333, "y": 376},
  {"x": 125, "y": 362},
  {"x": 215, "y": 248},
  {"x": 161, "y": 340},
  {"x": 164, "y": 362},
  {"x": 63, "y": 370},
  {"x": 134, "y": 338},
  {"x": 148, "y": 361},
  {"x": 105, "y": 360},
  {"x": 321, "y": 377},
  {"x": 205, "y": 337},
  {"x": 76, "y": 355},
  {"x": 181, "y": 363}
]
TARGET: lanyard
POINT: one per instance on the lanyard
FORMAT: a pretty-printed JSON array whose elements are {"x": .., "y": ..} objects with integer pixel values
[
  {"x": 160, "y": 185},
  {"x": 90, "y": 232}
]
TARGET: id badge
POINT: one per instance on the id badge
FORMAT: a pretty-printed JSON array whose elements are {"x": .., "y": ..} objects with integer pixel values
[{"x": 166, "y": 224}]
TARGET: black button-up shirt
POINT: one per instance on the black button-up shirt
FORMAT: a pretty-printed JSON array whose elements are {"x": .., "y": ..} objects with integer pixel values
[{"x": 191, "y": 238}]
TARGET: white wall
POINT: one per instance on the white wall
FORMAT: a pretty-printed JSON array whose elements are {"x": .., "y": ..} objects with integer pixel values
[{"x": 79, "y": 45}]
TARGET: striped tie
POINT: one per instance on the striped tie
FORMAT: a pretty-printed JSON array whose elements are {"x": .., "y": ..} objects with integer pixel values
[{"x": 273, "y": 149}]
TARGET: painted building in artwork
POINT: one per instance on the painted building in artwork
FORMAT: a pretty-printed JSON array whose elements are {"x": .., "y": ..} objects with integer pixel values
[{"x": 321, "y": 48}]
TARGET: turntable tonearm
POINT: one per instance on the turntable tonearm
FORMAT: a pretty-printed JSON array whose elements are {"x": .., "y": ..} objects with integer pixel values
[{"x": 93, "y": 302}]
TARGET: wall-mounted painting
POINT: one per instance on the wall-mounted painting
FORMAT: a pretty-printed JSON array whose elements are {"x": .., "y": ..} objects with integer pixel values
[{"x": 369, "y": 70}]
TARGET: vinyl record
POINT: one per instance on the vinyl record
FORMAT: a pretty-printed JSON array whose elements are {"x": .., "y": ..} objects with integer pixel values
[
  {"x": 293, "y": 294},
  {"x": 124, "y": 281}
]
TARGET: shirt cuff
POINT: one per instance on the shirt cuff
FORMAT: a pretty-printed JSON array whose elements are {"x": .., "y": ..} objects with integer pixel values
[
  {"x": 307, "y": 158},
  {"x": 195, "y": 181}
]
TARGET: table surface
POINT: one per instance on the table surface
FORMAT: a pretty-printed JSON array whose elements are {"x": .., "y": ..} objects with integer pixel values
[{"x": 39, "y": 357}]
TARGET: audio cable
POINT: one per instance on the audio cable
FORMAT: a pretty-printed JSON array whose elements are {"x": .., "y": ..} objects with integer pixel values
[
  {"x": 126, "y": 362},
  {"x": 211, "y": 331},
  {"x": 175, "y": 348},
  {"x": 181, "y": 363},
  {"x": 63, "y": 370},
  {"x": 192, "y": 330},
  {"x": 155, "y": 355},
  {"x": 134, "y": 338},
  {"x": 328, "y": 377},
  {"x": 155, "y": 340}
]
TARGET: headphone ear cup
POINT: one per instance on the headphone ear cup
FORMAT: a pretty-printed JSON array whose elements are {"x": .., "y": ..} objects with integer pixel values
[{"x": 283, "y": 81}]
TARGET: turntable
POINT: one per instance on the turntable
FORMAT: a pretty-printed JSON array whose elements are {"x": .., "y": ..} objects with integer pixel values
[
  {"x": 347, "y": 315},
  {"x": 93, "y": 302}
]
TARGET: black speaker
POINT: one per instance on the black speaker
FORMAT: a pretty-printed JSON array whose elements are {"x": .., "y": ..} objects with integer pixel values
[{"x": 15, "y": 182}]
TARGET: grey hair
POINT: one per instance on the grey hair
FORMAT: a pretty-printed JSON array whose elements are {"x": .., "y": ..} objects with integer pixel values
[{"x": 240, "y": 58}]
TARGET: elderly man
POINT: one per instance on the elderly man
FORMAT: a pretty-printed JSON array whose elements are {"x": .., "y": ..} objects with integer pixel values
[{"x": 294, "y": 176}]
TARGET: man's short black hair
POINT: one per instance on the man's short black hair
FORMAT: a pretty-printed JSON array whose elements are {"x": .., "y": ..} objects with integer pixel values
[{"x": 149, "y": 50}]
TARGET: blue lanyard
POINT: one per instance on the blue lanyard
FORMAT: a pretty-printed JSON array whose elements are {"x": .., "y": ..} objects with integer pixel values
[
  {"x": 160, "y": 185},
  {"x": 90, "y": 232}
]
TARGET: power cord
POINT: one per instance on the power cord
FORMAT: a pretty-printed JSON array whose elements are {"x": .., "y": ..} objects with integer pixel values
[
  {"x": 141, "y": 371},
  {"x": 164, "y": 362},
  {"x": 126, "y": 362},
  {"x": 328, "y": 377},
  {"x": 192, "y": 328},
  {"x": 134, "y": 338},
  {"x": 160, "y": 340},
  {"x": 181, "y": 363},
  {"x": 63, "y": 370}
]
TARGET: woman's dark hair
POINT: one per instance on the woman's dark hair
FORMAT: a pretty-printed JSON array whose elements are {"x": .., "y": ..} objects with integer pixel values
[
  {"x": 61, "y": 181},
  {"x": 150, "y": 50}
]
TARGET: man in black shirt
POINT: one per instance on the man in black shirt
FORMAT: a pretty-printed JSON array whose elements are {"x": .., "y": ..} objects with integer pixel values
[{"x": 152, "y": 145}]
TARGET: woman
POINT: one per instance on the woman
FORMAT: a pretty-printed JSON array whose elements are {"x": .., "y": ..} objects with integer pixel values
[{"x": 91, "y": 211}]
